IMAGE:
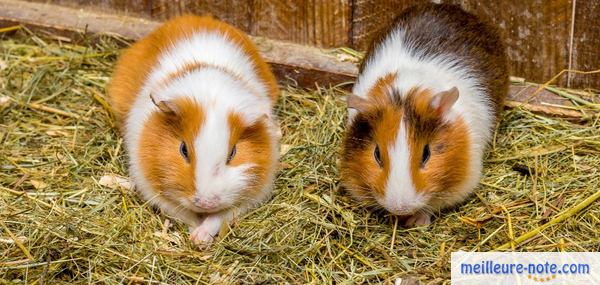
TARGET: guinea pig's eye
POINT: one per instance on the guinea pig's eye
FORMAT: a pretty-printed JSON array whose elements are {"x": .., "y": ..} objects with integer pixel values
[
  {"x": 232, "y": 153},
  {"x": 377, "y": 155},
  {"x": 426, "y": 155},
  {"x": 184, "y": 151}
]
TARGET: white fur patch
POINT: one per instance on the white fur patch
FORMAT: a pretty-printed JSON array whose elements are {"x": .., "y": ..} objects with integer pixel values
[
  {"x": 211, "y": 48},
  {"x": 401, "y": 197},
  {"x": 439, "y": 73},
  {"x": 213, "y": 177}
]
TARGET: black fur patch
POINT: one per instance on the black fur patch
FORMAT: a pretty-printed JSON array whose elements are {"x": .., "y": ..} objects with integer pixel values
[{"x": 360, "y": 133}]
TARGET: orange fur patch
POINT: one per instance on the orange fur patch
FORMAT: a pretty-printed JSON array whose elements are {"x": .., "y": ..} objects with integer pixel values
[
  {"x": 136, "y": 63},
  {"x": 379, "y": 93},
  {"x": 387, "y": 129},
  {"x": 162, "y": 136},
  {"x": 361, "y": 174},
  {"x": 254, "y": 146},
  {"x": 385, "y": 135},
  {"x": 449, "y": 144}
]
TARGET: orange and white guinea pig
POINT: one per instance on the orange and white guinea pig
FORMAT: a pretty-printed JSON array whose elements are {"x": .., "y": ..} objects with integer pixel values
[
  {"x": 194, "y": 102},
  {"x": 422, "y": 111}
]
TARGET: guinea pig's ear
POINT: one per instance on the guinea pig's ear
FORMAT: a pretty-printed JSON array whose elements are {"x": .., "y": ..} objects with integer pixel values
[
  {"x": 165, "y": 106},
  {"x": 272, "y": 124},
  {"x": 442, "y": 102},
  {"x": 357, "y": 103}
]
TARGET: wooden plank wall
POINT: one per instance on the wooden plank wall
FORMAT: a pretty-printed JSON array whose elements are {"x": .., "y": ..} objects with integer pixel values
[
  {"x": 322, "y": 23},
  {"x": 586, "y": 42},
  {"x": 538, "y": 32}
]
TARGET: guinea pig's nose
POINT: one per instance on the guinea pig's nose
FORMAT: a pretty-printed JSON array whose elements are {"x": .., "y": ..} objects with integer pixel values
[{"x": 206, "y": 203}]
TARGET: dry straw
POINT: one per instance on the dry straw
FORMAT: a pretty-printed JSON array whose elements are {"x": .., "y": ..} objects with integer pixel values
[{"x": 63, "y": 221}]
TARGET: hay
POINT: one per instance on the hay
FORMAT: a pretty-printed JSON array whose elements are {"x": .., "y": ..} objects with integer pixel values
[{"x": 62, "y": 222}]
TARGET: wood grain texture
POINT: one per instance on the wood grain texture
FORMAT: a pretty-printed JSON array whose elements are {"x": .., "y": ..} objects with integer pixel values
[
  {"x": 239, "y": 13},
  {"x": 537, "y": 34},
  {"x": 536, "y": 31},
  {"x": 322, "y": 23},
  {"x": 586, "y": 43},
  {"x": 370, "y": 17},
  {"x": 140, "y": 8}
]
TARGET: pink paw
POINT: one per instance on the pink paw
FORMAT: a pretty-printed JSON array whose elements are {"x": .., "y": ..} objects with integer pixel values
[
  {"x": 202, "y": 236},
  {"x": 417, "y": 220}
]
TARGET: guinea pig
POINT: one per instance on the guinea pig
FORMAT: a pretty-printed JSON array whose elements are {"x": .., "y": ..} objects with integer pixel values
[
  {"x": 194, "y": 103},
  {"x": 423, "y": 109}
]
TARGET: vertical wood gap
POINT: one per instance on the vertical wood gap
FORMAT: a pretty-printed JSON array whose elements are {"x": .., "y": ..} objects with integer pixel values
[{"x": 571, "y": 36}]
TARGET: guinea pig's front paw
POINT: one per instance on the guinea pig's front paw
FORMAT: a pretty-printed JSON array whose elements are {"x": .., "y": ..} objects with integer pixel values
[
  {"x": 417, "y": 220},
  {"x": 205, "y": 233},
  {"x": 202, "y": 236}
]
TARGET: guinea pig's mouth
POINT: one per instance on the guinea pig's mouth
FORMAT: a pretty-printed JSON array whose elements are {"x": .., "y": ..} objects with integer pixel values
[
  {"x": 209, "y": 210},
  {"x": 188, "y": 204}
]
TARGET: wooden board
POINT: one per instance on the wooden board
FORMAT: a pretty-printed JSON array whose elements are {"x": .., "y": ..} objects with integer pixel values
[
  {"x": 299, "y": 64},
  {"x": 307, "y": 67},
  {"x": 544, "y": 102},
  {"x": 321, "y": 23},
  {"x": 138, "y": 8}
]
